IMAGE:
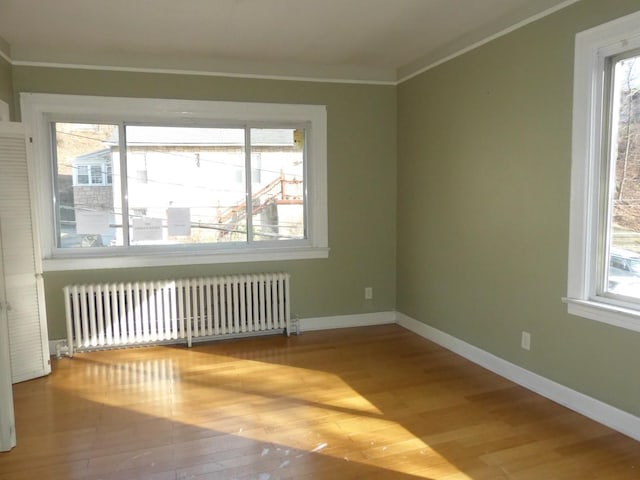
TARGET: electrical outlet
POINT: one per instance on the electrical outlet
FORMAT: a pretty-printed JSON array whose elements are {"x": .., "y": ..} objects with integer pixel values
[
  {"x": 525, "y": 341},
  {"x": 368, "y": 293}
]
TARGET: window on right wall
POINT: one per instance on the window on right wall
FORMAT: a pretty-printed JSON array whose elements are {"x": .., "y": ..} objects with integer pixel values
[{"x": 604, "y": 248}]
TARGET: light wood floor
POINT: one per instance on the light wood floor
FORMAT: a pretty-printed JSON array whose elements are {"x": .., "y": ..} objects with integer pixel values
[{"x": 367, "y": 403}]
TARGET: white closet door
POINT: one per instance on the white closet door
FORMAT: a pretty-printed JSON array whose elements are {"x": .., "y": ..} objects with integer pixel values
[
  {"x": 7, "y": 420},
  {"x": 28, "y": 342}
]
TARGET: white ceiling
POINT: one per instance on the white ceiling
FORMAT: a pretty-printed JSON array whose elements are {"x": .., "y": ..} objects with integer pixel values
[{"x": 361, "y": 40}]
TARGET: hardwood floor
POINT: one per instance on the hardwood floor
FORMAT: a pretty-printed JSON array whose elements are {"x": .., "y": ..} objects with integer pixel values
[{"x": 366, "y": 403}]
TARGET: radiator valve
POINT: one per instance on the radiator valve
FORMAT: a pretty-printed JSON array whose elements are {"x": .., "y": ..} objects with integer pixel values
[{"x": 62, "y": 349}]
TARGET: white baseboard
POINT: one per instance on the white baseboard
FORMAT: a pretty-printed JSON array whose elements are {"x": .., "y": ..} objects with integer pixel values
[
  {"x": 308, "y": 324},
  {"x": 601, "y": 412},
  {"x": 346, "y": 321},
  {"x": 594, "y": 409}
]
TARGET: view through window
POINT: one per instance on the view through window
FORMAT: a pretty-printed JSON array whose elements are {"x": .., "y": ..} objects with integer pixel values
[
  {"x": 177, "y": 185},
  {"x": 623, "y": 211}
]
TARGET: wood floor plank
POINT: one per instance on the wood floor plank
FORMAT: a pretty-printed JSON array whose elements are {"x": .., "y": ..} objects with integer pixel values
[{"x": 374, "y": 403}]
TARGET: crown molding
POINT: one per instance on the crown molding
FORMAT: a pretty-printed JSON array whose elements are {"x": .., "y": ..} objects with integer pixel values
[
  {"x": 464, "y": 45},
  {"x": 289, "y": 73},
  {"x": 298, "y": 73}
]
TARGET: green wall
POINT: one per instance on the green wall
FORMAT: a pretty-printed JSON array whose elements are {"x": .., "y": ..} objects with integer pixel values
[
  {"x": 484, "y": 159},
  {"x": 361, "y": 123},
  {"x": 6, "y": 83}
]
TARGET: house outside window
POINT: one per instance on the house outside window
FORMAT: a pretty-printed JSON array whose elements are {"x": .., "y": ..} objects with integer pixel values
[
  {"x": 96, "y": 173},
  {"x": 92, "y": 175},
  {"x": 604, "y": 249},
  {"x": 156, "y": 188}
]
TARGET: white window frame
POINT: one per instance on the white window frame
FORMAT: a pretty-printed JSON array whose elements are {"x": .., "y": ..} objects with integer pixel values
[
  {"x": 39, "y": 110},
  {"x": 593, "y": 47}
]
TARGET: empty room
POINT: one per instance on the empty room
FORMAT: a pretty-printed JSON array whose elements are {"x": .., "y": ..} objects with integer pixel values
[{"x": 291, "y": 239}]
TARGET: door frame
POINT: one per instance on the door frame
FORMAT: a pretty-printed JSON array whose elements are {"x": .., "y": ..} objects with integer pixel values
[{"x": 7, "y": 417}]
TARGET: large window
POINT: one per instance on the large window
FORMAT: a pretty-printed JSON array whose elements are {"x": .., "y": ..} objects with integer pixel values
[
  {"x": 604, "y": 253},
  {"x": 223, "y": 181}
]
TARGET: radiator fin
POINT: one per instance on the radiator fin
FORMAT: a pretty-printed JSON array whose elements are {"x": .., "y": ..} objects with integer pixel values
[{"x": 140, "y": 313}]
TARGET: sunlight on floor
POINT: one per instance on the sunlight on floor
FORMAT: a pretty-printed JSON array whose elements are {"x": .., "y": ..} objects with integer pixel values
[{"x": 309, "y": 411}]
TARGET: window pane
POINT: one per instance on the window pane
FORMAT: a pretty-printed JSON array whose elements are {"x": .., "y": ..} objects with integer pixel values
[
  {"x": 108, "y": 174},
  {"x": 624, "y": 231},
  {"x": 277, "y": 183},
  {"x": 96, "y": 175},
  {"x": 82, "y": 172},
  {"x": 86, "y": 213},
  {"x": 186, "y": 185}
]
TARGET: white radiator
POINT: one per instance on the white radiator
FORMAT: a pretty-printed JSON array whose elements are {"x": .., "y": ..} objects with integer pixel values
[{"x": 141, "y": 313}]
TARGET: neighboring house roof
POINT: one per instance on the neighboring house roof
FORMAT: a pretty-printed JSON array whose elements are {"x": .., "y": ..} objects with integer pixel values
[
  {"x": 99, "y": 156},
  {"x": 189, "y": 136}
]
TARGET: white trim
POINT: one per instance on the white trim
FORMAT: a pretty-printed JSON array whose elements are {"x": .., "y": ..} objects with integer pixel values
[
  {"x": 603, "y": 312},
  {"x": 310, "y": 324},
  {"x": 226, "y": 256},
  {"x": 592, "y": 47},
  {"x": 601, "y": 412},
  {"x": 205, "y": 73},
  {"x": 38, "y": 109},
  {"x": 346, "y": 321},
  {"x": 7, "y": 414},
  {"x": 484, "y": 41}
]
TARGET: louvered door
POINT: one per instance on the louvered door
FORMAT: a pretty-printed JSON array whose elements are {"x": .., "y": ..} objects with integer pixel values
[{"x": 29, "y": 349}]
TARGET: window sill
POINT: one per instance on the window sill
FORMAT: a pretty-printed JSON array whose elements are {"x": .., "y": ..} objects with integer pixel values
[
  {"x": 163, "y": 260},
  {"x": 602, "y": 312}
]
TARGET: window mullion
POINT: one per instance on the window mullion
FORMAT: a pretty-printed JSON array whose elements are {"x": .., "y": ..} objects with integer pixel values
[
  {"x": 124, "y": 183},
  {"x": 606, "y": 169},
  {"x": 55, "y": 185},
  {"x": 249, "y": 192}
]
